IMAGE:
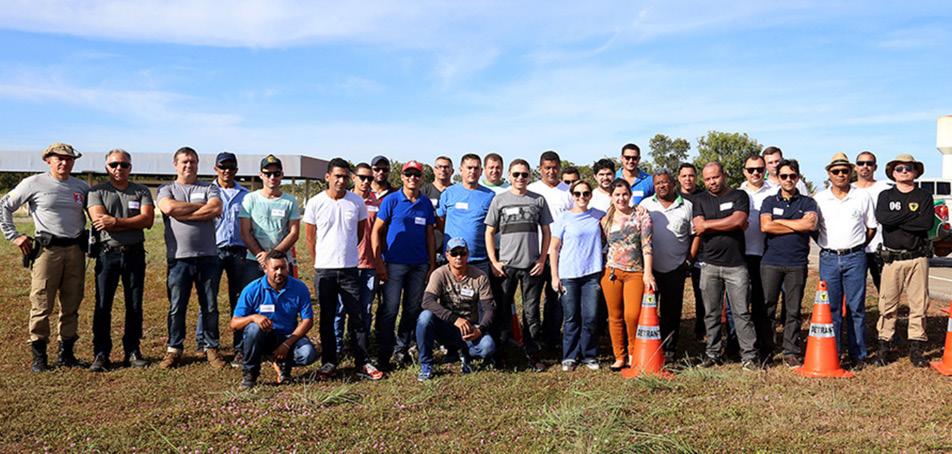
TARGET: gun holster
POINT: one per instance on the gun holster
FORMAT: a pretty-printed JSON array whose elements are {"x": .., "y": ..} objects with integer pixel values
[{"x": 35, "y": 246}]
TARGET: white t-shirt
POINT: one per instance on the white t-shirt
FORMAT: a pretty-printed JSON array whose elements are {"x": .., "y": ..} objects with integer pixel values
[
  {"x": 671, "y": 232},
  {"x": 336, "y": 224},
  {"x": 843, "y": 222},
  {"x": 753, "y": 238},
  {"x": 600, "y": 200},
  {"x": 557, "y": 197},
  {"x": 873, "y": 192}
]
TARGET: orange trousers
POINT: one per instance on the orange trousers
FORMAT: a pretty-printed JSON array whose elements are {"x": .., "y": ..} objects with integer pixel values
[{"x": 623, "y": 298}]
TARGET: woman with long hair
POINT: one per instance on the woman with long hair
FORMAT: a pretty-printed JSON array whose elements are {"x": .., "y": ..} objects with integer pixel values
[{"x": 627, "y": 269}]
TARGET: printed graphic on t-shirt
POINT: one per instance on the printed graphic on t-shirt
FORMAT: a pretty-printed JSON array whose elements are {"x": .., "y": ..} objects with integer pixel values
[{"x": 519, "y": 219}]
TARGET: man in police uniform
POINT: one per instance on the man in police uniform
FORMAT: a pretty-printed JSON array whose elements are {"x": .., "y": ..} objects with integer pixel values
[
  {"x": 906, "y": 215},
  {"x": 119, "y": 210},
  {"x": 56, "y": 202}
]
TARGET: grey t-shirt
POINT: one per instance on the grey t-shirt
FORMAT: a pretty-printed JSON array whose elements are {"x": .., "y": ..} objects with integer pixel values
[
  {"x": 517, "y": 219},
  {"x": 189, "y": 238},
  {"x": 120, "y": 204},
  {"x": 57, "y": 207}
]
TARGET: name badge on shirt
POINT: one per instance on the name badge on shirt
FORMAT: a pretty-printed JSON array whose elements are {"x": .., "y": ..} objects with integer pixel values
[
  {"x": 277, "y": 212},
  {"x": 778, "y": 211},
  {"x": 467, "y": 292},
  {"x": 637, "y": 193},
  {"x": 372, "y": 209},
  {"x": 461, "y": 206},
  {"x": 513, "y": 211},
  {"x": 266, "y": 308},
  {"x": 419, "y": 221},
  {"x": 134, "y": 204},
  {"x": 726, "y": 206},
  {"x": 196, "y": 197}
]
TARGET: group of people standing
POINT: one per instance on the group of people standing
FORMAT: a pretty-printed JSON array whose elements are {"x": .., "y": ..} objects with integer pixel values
[{"x": 449, "y": 258}]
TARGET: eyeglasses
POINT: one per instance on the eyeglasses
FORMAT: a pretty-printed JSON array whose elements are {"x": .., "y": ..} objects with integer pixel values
[
  {"x": 582, "y": 193},
  {"x": 520, "y": 174},
  {"x": 365, "y": 178},
  {"x": 866, "y": 163},
  {"x": 413, "y": 174},
  {"x": 122, "y": 164},
  {"x": 631, "y": 158},
  {"x": 754, "y": 169},
  {"x": 904, "y": 168},
  {"x": 458, "y": 252},
  {"x": 839, "y": 171},
  {"x": 227, "y": 167},
  {"x": 275, "y": 174},
  {"x": 788, "y": 176},
  {"x": 381, "y": 169}
]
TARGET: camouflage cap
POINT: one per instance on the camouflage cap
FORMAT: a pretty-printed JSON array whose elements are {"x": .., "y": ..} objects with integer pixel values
[
  {"x": 61, "y": 149},
  {"x": 271, "y": 160}
]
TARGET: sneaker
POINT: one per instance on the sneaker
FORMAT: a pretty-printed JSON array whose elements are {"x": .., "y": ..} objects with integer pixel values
[
  {"x": 426, "y": 373},
  {"x": 248, "y": 380},
  {"x": 402, "y": 359},
  {"x": 100, "y": 363},
  {"x": 750, "y": 365},
  {"x": 171, "y": 359},
  {"x": 327, "y": 370},
  {"x": 464, "y": 366},
  {"x": 591, "y": 364},
  {"x": 214, "y": 358},
  {"x": 710, "y": 361},
  {"x": 238, "y": 360},
  {"x": 568, "y": 366},
  {"x": 369, "y": 372},
  {"x": 791, "y": 361},
  {"x": 134, "y": 359}
]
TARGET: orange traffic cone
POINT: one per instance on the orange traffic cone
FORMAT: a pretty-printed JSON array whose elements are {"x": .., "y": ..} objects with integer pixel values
[
  {"x": 945, "y": 366},
  {"x": 294, "y": 259},
  {"x": 648, "y": 358},
  {"x": 821, "y": 359}
]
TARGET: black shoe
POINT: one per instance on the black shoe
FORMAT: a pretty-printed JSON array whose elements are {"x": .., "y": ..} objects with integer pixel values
[
  {"x": 238, "y": 361},
  {"x": 883, "y": 356},
  {"x": 915, "y": 354},
  {"x": 402, "y": 359},
  {"x": 858, "y": 365},
  {"x": 38, "y": 348},
  {"x": 792, "y": 361},
  {"x": 710, "y": 361},
  {"x": 284, "y": 374},
  {"x": 66, "y": 357},
  {"x": 536, "y": 365},
  {"x": 248, "y": 380},
  {"x": 100, "y": 363},
  {"x": 134, "y": 359}
]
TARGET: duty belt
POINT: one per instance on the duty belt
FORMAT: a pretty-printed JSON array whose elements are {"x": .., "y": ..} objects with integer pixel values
[{"x": 890, "y": 255}]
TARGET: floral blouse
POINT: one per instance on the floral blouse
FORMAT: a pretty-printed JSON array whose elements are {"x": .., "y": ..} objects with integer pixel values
[{"x": 629, "y": 242}]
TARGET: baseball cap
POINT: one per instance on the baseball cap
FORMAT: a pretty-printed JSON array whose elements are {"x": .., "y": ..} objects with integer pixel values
[
  {"x": 377, "y": 160},
  {"x": 412, "y": 165},
  {"x": 271, "y": 160},
  {"x": 456, "y": 242},
  {"x": 225, "y": 156},
  {"x": 61, "y": 149}
]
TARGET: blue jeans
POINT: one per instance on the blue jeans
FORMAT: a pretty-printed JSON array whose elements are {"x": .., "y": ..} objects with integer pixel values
[
  {"x": 407, "y": 281},
  {"x": 846, "y": 275},
  {"x": 240, "y": 271},
  {"x": 183, "y": 273},
  {"x": 258, "y": 343},
  {"x": 429, "y": 327},
  {"x": 579, "y": 308},
  {"x": 332, "y": 287},
  {"x": 111, "y": 267},
  {"x": 367, "y": 278}
]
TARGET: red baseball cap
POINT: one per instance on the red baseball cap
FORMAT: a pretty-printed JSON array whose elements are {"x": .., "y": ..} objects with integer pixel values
[{"x": 412, "y": 165}]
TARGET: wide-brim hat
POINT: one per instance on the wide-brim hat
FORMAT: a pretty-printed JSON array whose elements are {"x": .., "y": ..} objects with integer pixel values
[
  {"x": 904, "y": 158},
  {"x": 839, "y": 159},
  {"x": 61, "y": 149}
]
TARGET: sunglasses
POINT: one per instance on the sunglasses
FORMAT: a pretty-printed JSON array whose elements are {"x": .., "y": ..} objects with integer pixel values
[
  {"x": 569, "y": 182},
  {"x": 520, "y": 174},
  {"x": 274, "y": 174},
  {"x": 754, "y": 169},
  {"x": 582, "y": 193},
  {"x": 458, "y": 252},
  {"x": 122, "y": 164},
  {"x": 904, "y": 168},
  {"x": 866, "y": 163},
  {"x": 631, "y": 158},
  {"x": 365, "y": 178},
  {"x": 227, "y": 167},
  {"x": 412, "y": 174},
  {"x": 381, "y": 169},
  {"x": 787, "y": 176},
  {"x": 840, "y": 171}
]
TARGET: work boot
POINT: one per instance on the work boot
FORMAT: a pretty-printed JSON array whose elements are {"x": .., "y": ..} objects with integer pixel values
[
  {"x": 215, "y": 359},
  {"x": 66, "y": 357},
  {"x": 915, "y": 354},
  {"x": 38, "y": 348},
  {"x": 100, "y": 363},
  {"x": 172, "y": 359},
  {"x": 883, "y": 353}
]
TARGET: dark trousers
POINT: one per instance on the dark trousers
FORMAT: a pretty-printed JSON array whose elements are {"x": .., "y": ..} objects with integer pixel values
[
  {"x": 551, "y": 313},
  {"x": 341, "y": 285},
  {"x": 875, "y": 265},
  {"x": 699, "y": 329},
  {"x": 430, "y": 328},
  {"x": 532, "y": 338},
  {"x": 258, "y": 344},
  {"x": 791, "y": 280},
  {"x": 201, "y": 273},
  {"x": 112, "y": 266},
  {"x": 240, "y": 271},
  {"x": 670, "y": 294},
  {"x": 763, "y": 323},
  {"x": 402, "y": 293}
]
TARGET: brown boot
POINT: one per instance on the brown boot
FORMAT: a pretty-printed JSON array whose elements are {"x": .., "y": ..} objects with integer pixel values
[
  {"x": 172, "y": 359},
  {"x": 215, "y": 359}
]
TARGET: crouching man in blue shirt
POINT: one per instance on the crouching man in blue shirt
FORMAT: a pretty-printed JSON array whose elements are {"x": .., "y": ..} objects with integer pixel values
[{"x": 268, "y": 311}]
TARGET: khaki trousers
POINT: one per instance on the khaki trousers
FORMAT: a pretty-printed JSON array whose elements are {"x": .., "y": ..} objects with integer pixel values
[
  {"x": 909, "y": 277},
  {"x": 59, "y": 270}
]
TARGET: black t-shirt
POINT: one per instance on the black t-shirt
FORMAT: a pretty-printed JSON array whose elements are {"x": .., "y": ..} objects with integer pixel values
[
  {"x": 906, "y": 218},
  {"x": 722, "y": 248}
]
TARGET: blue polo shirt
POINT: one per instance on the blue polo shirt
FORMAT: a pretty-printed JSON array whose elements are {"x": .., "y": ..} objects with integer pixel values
[
  {"x": 465, "y": 212},
  {"x": 790, "y": 249},
  {"x": 642, "y": 188},
  {"x": 227, "y": 226},
  {"x": 406, "y": 228},
  {"x": 282, "y": 307}
]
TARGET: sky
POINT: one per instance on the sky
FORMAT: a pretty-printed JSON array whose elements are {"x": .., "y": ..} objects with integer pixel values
[{"x": 412, "y": 80}]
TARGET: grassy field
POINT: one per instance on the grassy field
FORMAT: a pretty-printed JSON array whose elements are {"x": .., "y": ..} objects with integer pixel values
[{"x": 196, "y": 408}]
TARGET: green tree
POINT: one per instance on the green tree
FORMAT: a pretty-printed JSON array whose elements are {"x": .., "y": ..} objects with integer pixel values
[
  {"x": 728, "y": 148},
  {"x": 667, "y": 153}
]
